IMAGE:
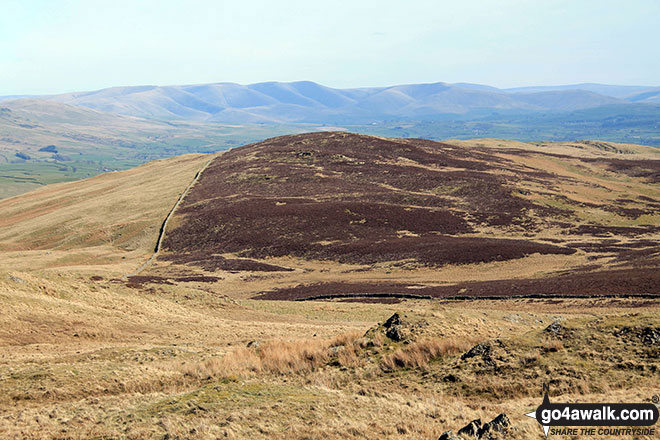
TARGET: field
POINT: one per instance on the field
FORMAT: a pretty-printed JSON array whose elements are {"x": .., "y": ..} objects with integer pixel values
[
  {"x": 331, "y": 286},
  {"x": 43, "y": 142},
  {"x": 637, "y": 124}
]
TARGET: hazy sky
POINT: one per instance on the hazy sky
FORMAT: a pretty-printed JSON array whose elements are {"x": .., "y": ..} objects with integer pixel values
[{"x": 58, "y": 45}]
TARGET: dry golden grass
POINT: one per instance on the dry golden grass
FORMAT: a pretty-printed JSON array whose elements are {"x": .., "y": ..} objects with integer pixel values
[
  {"x": 83, "y": 358},
  {"x": 116, "y": 213},
  {"x": 576, "y": 149},
  {"x": 280, "y": 357},
  {"x": 419, "y": 353}
]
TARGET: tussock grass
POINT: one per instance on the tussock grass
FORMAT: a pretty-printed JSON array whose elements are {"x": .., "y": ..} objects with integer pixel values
[
  {"x": 552, "y": 345},
  {"x": 419, "y": 354},
  {"x": 281, "y": 357}
]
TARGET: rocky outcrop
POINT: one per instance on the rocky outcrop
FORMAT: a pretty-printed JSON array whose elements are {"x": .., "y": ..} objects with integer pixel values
[
  {"x": 471, "y": 430},
  {"x": 648, "y": 335},
  {"x": 555, "y": 329},
  {"x": 493, "y": 430},
  {"x": 394, "y": 328}
]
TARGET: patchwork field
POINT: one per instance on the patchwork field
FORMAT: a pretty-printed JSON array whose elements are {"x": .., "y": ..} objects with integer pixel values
[
  {"x": 44, "y": 142},
  {"x": 331, "y": 285}
]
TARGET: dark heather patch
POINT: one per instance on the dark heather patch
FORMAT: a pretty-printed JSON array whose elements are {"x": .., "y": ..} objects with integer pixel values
[
  {"x": 213, "y": 263},
  {"x": 640, "y": 281},
  {"x": 345, "y": 197},
  {"x": 199, "y": 279},
  {"x": 137, "y": 281},
  {"x": 647, "y": 169},
  {"x": 605, "y": 231}
]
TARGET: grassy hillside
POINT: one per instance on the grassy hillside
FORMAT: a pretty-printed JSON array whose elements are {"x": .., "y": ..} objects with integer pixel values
[
  {"x": 365, "y": 216},
  {"x": 94, "y": 358},
  {"x": 111, "y": 219},
  {"x": 202, "y": 345}
]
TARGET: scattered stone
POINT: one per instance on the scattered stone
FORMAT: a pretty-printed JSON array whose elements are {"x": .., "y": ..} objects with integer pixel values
[
  {"x": 448, "y": 436},
  {"x": 17, "y": 279},
  {"x": 396, "y": 333},
  {"x": 483, "y": 350},
  {"x": 471, "y": 430},
  {"x": 197, "y": 409},
  {"x": 499, "y": 424},
  {"x": 651, "y": 336},
  {"x": 392, "y": 321},
  {"x": 475, "y": 430},
  {"x": 555, "y": 329},
  {"x": 648, "y": 335}
]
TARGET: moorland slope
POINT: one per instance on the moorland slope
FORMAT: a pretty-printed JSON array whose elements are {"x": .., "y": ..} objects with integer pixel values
[
  {"x": 387, "y": 207},
  {"x": 200, "y": 344}
]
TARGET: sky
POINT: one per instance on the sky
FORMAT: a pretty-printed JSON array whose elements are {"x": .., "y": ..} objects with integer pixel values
[{"x": 60, "y": 46}]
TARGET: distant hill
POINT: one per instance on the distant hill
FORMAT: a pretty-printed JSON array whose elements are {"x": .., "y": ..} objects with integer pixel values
[
  {"x": 116, "y": 128},
  {"x": 43, "y": 142},
  {"x": 344, "y": 214},
  {"x": 371, "y": 204},
  {"x": 648, "y": 95},
  {"x": 309, "y": 102},
  {"x": 614, "y": 91}
]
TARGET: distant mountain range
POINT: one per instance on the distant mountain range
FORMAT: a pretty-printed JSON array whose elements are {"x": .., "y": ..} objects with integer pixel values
[{"x": 309, "y": 102}]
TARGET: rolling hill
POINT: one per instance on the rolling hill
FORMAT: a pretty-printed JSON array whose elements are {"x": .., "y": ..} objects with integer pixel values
[
  {"x": 50, "y": 139},
  {"x": 308, "y": 283},
  {"x": 43, "y": 142},
  {"x": 393, "y": 205},
  {"x": 110, "y": 219},
  {"x": 384, "y": 208},
  {"x": 309, "y": 102}
]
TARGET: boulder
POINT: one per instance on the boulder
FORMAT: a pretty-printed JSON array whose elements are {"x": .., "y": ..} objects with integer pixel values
[
  {"x": 396, "y": 333},
  {"x": 555, "y": 329},
  {"x": 392, "y": 321},
  {"x": 651, "y": 336},
  {"x": 448, "y": 436},
  {"x": 471, "y": 430},
  {"x": 16, "y": 279},
  {"x": 491, "y": 429},
  {"x": 482, "y": 350}
]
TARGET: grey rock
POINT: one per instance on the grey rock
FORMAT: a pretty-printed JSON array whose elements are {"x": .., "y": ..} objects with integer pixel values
[
  {"x": 490, "y": 430},
  {"x": 17, "y": 279},
  {"x": 651, "y": 336},
  {"x": 392, "y": 321},
  {"x": 484, "y": 350},
  {"x": 448, "y": 436},
  {"x": 555, "y": 329},
  {"x": 471, "y": 430},
  {"x": 395, "y": 333}
]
